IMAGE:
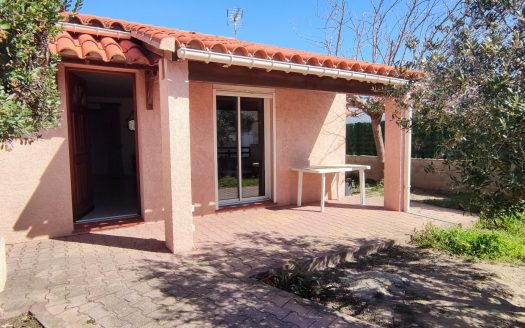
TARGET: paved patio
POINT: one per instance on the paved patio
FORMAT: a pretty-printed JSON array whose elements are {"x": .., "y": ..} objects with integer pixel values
[{"x": 126, "y": 277}]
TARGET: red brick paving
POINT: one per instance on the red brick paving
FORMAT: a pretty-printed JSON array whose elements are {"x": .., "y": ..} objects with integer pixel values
[{"x": 126, "y": 277}]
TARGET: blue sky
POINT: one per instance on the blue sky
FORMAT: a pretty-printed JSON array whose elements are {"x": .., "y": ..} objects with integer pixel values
[{"x": 289, "y": 23}]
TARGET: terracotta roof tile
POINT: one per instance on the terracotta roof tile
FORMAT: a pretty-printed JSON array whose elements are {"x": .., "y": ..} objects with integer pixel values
[
  {"x": 107, "y": 49},
  {"x": 222, "y": 44}
]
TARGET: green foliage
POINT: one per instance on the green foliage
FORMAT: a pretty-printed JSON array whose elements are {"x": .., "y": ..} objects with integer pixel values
[
  {"x": 371, "y": 186},
  {"x": 473, "y": 90},
  {"x": 504, "y": 242},
  {"x": 229, "y": 181},
  {"x": 360, "y": 141},
  {"x": 378, "y": 188},
  {"x": 29, "y": 97},
  {"x": 476, "y": 243}
]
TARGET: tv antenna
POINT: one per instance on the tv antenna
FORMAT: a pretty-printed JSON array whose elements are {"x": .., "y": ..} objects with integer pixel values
[{"x": 235, "y": 18}]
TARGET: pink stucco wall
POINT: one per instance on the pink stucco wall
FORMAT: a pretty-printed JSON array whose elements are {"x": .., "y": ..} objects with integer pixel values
[
  {"x": 150, "y": 153},
  {"x": 176, "y": 155},
  {"x": 394, "y": 151},
  {"x": 35, "y": 184},
  {"x": 310, "y": 130},
  {"x": 202, "y": 147}
]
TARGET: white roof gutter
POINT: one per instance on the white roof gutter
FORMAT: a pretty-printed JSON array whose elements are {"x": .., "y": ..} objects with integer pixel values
[
  {"x": 288, "y": 67},
  {"x": 98, "y": 31}
]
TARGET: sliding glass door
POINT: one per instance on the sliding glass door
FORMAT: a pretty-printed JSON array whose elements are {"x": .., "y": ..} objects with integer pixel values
[{"x": 240, "y": 149}]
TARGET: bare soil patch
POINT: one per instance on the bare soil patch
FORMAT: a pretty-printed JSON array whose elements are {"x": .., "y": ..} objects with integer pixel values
[
  {"x": 411, "y": 287},
  {"x": 22, "y": 321}
]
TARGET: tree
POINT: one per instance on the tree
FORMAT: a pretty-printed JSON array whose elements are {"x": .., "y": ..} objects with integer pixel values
[
  {"x": 374, "y": 107},
  {"x": 473, "y": 88},
  {"x": 388, "y": 34},
  {"x": 29, "y": 98}
]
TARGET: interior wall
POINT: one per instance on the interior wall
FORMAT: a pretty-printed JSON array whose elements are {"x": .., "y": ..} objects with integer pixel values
[
  {"x": 310, "y": 130},
  {"x": 127, "y": 137}
]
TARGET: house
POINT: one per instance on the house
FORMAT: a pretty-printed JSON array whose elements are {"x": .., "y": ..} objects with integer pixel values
[{"x": 164, "y": 124}]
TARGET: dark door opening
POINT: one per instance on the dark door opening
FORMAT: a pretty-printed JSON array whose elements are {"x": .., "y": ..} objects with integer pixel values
[{"x": 103, "y": 146}]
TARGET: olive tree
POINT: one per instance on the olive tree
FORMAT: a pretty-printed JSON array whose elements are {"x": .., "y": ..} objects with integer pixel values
[
  {"x": 473, "y": 88},
  {"x": 29, "y": 98}
]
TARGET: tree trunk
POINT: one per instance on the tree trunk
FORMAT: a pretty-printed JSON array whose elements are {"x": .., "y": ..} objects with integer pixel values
[{"x": 378, "y": 139}]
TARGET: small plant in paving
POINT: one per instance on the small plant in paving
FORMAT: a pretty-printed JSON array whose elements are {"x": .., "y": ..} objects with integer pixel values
[{"x": 292, "y": 280}]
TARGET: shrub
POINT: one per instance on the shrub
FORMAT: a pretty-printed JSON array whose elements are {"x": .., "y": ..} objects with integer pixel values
[
  {"x": 473, "y": 91},
  {"x": 29, "y": 97}
]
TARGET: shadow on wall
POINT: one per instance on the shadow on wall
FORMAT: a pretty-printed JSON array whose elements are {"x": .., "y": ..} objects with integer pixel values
[
  {"x": 212, "y": 286},
  {"x": 48, "y": 210},
  {"x": 310, "y": 131}
]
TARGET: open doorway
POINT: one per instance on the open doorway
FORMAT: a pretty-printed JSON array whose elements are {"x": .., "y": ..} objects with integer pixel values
[{"x": 103, "y": 146}]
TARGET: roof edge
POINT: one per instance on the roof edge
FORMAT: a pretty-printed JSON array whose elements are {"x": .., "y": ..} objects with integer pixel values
[
  {"x": 287, "y": 67},
  {"x": 168, "y": 43}
]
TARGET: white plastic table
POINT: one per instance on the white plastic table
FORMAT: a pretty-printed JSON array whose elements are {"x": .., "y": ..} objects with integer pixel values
[{"x": 323, "y": 170}]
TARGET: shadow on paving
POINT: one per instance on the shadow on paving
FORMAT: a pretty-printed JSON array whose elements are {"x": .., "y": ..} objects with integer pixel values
[
  {"x": 128, "y": 242},
  {"x": 212, "y": 286},
  {"x": 442, "y": 291}
]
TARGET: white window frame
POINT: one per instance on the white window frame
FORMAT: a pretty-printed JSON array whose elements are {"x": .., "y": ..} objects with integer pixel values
[{"x": 269, "y": 141}]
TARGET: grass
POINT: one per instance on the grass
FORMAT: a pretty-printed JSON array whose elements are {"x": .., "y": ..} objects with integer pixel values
[
  {"x": 504, "y": 242},
  {"x": 229, "y": 182},
  {"x": 377, "y": 187},
  {"x": 500, "y": 238},
  {"x": 371, "y": 186}
]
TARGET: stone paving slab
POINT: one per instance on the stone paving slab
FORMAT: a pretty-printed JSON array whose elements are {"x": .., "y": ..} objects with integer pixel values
[{"x": 127, "y": 278}]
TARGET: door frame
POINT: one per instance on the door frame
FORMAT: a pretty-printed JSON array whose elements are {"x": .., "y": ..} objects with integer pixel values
[
  {"x": 68, "y": 70},
  {"x": 269, "y": 141}
]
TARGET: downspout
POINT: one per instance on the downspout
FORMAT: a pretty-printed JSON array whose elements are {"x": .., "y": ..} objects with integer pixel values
[
  {"x": 274, "y": 150},
  {"x": 407, "y": 164}
]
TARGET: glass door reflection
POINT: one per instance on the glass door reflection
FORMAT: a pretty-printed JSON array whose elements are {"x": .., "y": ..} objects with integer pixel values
[
  {"x": 227, "y": 148},
  {"x": 252, "y": 147},
  {"x": 240, "y": 149}
]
